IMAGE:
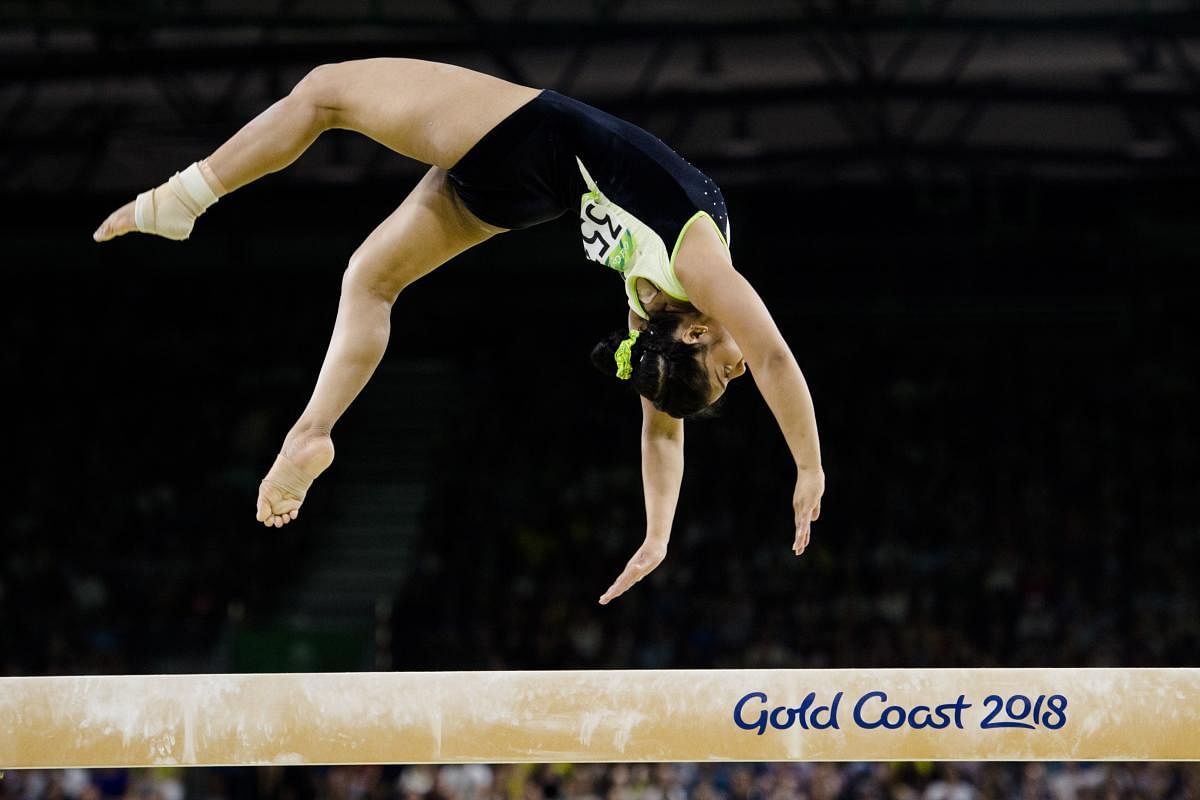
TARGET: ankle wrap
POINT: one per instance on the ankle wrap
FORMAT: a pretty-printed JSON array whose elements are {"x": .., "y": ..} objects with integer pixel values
[{"x": 170, "y": 210}]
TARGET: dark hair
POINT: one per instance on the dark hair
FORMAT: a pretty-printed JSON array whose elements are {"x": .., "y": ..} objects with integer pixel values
[{"x": 666, "y": 371}]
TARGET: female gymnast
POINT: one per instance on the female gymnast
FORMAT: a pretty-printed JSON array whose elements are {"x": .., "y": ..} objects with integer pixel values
[{"x": 505, "y": 157}]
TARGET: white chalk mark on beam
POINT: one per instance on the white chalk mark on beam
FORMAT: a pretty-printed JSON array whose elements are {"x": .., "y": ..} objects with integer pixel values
[{"x": 618, "y": 715}]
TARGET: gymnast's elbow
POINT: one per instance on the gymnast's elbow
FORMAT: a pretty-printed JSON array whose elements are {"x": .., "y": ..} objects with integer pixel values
[
  {"x": 662, "y": 429},
  {"x": 774, "y": 361}
]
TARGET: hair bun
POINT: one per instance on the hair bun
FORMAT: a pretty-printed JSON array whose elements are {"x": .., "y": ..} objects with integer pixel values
[
  {"x": 664, "y": 370},
  {"x": 605, "y": 351}
]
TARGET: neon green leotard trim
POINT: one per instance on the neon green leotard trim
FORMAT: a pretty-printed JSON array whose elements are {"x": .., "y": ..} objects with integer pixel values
[{"x": 616, "y": 238}]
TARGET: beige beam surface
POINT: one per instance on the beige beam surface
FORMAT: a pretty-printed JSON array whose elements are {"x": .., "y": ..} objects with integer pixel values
[{"x": 617, "y": 715}]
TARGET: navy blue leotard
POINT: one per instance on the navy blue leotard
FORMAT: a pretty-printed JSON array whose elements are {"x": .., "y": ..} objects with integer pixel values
[{"x": 524, "y": 170}]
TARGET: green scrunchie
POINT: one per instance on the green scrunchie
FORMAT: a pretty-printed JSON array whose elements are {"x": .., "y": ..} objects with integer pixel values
[{"x": 624, "y": 366}]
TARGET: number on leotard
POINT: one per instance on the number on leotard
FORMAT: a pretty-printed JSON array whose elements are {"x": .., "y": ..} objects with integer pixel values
[
  {"x": 614, "y": 230},
  {"x": 599, "y": 232},
  {"x": 593, "y": 239}
]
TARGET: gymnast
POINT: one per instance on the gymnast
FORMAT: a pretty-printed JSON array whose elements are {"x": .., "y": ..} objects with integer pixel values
[{"x": 505, "y": 157}]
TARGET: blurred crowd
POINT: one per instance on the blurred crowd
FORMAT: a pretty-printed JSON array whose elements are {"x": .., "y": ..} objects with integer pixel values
[
  {"x": 822, "y": 781},
  {"x": 1001, "y": 511},
  {"x": 127, "y": 523}
]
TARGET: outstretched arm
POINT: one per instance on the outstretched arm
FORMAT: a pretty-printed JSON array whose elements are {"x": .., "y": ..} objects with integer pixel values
[
  {"x": 717, "y": 289},
  {"x": 662, "y": 474}
]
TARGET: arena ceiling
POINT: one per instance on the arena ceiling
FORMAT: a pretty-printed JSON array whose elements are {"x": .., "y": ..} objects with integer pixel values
[{"x": 105, "y": 97}]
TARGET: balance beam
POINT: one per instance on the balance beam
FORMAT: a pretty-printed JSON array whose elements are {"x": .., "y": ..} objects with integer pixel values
[{"x": 605, "y": 716}]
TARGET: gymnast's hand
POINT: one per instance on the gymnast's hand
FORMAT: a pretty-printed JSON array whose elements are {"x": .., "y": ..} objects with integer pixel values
[
  {"x": 647, "y": 557},
  {"x": 806, "y": 502}
]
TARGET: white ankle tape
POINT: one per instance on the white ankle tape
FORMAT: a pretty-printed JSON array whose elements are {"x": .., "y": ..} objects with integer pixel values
[
  {"x": 196, "y": 184},
  {"x": 170, "y": 210}
]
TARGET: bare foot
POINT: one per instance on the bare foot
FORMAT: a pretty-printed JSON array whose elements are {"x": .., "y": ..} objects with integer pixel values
[
  {"x": 303, "y": 458},
  {"x": 119, "y": 223}
]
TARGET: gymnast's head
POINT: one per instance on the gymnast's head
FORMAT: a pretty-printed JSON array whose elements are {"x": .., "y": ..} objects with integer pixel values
[{"x": 681, "y": 361}]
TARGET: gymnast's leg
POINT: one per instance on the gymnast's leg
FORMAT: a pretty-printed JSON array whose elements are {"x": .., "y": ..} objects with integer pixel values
[
  {"x": 431, "y": 112},
  {"x": 429, "y": 228}
]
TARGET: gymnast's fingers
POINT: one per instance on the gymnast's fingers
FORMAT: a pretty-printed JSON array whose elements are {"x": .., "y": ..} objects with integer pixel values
[
  {"x": 803, "y": 531},
  {"x": 642, "y": 564},
  {"x": 627, "y": 578}
]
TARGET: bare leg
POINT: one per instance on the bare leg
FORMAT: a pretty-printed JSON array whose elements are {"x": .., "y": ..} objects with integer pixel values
[
  {"x": 268, "y": 143},
  {"x": 431, "y": 112},
  {"x": 429, "y": 228}
]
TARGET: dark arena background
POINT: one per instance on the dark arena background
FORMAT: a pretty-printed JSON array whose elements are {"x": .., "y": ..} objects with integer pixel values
[{"x": 975, "y": 223}]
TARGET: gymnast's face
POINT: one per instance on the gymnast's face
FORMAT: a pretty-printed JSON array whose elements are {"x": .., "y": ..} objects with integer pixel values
[{"x": 722, "y": 359}]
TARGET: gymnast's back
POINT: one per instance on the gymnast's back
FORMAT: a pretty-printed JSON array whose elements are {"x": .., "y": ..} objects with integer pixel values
[{"x": 538, "y": 163}]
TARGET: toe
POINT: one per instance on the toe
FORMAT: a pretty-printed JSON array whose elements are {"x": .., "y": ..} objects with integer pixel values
[{"x": 118, "y": 223}]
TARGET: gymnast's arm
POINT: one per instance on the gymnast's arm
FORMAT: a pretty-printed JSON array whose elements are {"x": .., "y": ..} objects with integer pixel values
[
  {"x": 717, "y": 289},
  {"x": 662, "y": 474}
]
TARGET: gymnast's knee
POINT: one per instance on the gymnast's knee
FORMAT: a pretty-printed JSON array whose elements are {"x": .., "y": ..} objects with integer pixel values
[
  {"x": 365, "y": 275},
  {"x": 320, "y": 90}
]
